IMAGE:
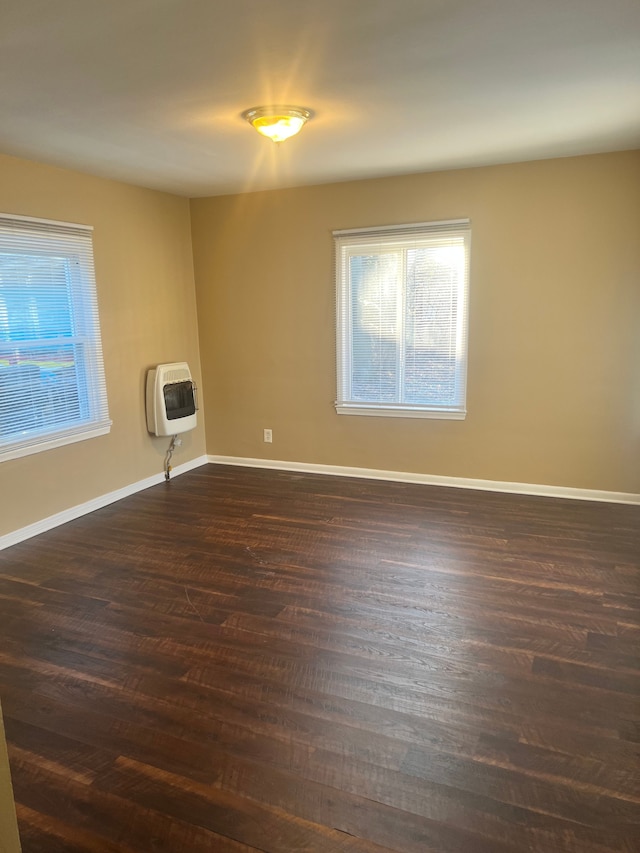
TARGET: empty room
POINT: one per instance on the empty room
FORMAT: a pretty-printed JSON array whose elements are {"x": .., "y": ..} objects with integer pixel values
[{"x": 319, "y": 426}]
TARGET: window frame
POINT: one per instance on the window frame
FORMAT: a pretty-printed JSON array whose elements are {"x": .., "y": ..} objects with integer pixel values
[
  {"x": 379, "y": 240},
  {"x": 73, "y": 243}
]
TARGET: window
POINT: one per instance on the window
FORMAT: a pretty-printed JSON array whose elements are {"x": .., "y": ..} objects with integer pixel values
[
  {"x": 52, "y": 388},
  {"x": 402, "y": 320}
]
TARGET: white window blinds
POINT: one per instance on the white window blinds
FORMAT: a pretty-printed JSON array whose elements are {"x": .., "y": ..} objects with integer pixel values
[
  {"x": 402, "y": 295},
  {"x": 52, "y": 387}
]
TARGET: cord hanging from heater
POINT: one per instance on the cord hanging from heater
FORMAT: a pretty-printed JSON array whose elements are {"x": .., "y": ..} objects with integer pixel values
[{"x": 167, "y": 459}]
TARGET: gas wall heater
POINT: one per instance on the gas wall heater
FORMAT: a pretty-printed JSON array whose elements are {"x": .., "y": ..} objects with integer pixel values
[{"x": 172, "y": 399}]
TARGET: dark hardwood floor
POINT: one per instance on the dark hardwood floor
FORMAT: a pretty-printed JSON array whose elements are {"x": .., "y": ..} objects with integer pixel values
[{"x": 245, "y": 660}]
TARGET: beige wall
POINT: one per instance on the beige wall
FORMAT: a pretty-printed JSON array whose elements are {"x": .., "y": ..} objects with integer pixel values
[
  {"x": 144, "y": 272},
  {"x": 9, "y": 842},
  {"x": 554, "y": 360}
]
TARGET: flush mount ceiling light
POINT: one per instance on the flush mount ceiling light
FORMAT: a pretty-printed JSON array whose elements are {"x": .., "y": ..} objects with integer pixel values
[{"x": 278, "y": 123}]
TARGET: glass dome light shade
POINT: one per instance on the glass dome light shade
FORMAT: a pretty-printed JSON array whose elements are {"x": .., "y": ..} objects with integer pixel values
[{"x": 278, "y": 123}]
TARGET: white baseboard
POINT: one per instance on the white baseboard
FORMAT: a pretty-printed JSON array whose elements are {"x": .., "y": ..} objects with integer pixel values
[
  {"x": 433, "y": 480},
  {"x": 313, "y": 468},
  {"x": 96, "y": 503}
]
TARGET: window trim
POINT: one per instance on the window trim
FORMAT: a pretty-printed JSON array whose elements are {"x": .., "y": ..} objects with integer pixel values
[
  {"x": 401, "y": 234},
  {"x": 85, "y": 302}
]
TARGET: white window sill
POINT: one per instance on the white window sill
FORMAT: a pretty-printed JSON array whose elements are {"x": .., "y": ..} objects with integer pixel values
[
  {"x": 46, "y": 442},
  {"x": 399, "y": 412}
]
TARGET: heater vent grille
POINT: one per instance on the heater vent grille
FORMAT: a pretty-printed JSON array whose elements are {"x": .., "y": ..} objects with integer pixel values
[{"x": 176, "y": 375}]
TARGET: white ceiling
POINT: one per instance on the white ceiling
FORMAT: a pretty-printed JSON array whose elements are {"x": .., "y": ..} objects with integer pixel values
[{"x": 151, "y": 91}]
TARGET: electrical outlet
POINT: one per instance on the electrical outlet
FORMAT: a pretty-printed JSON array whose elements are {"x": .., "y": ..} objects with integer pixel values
[{"x": 268, "y": 436}]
